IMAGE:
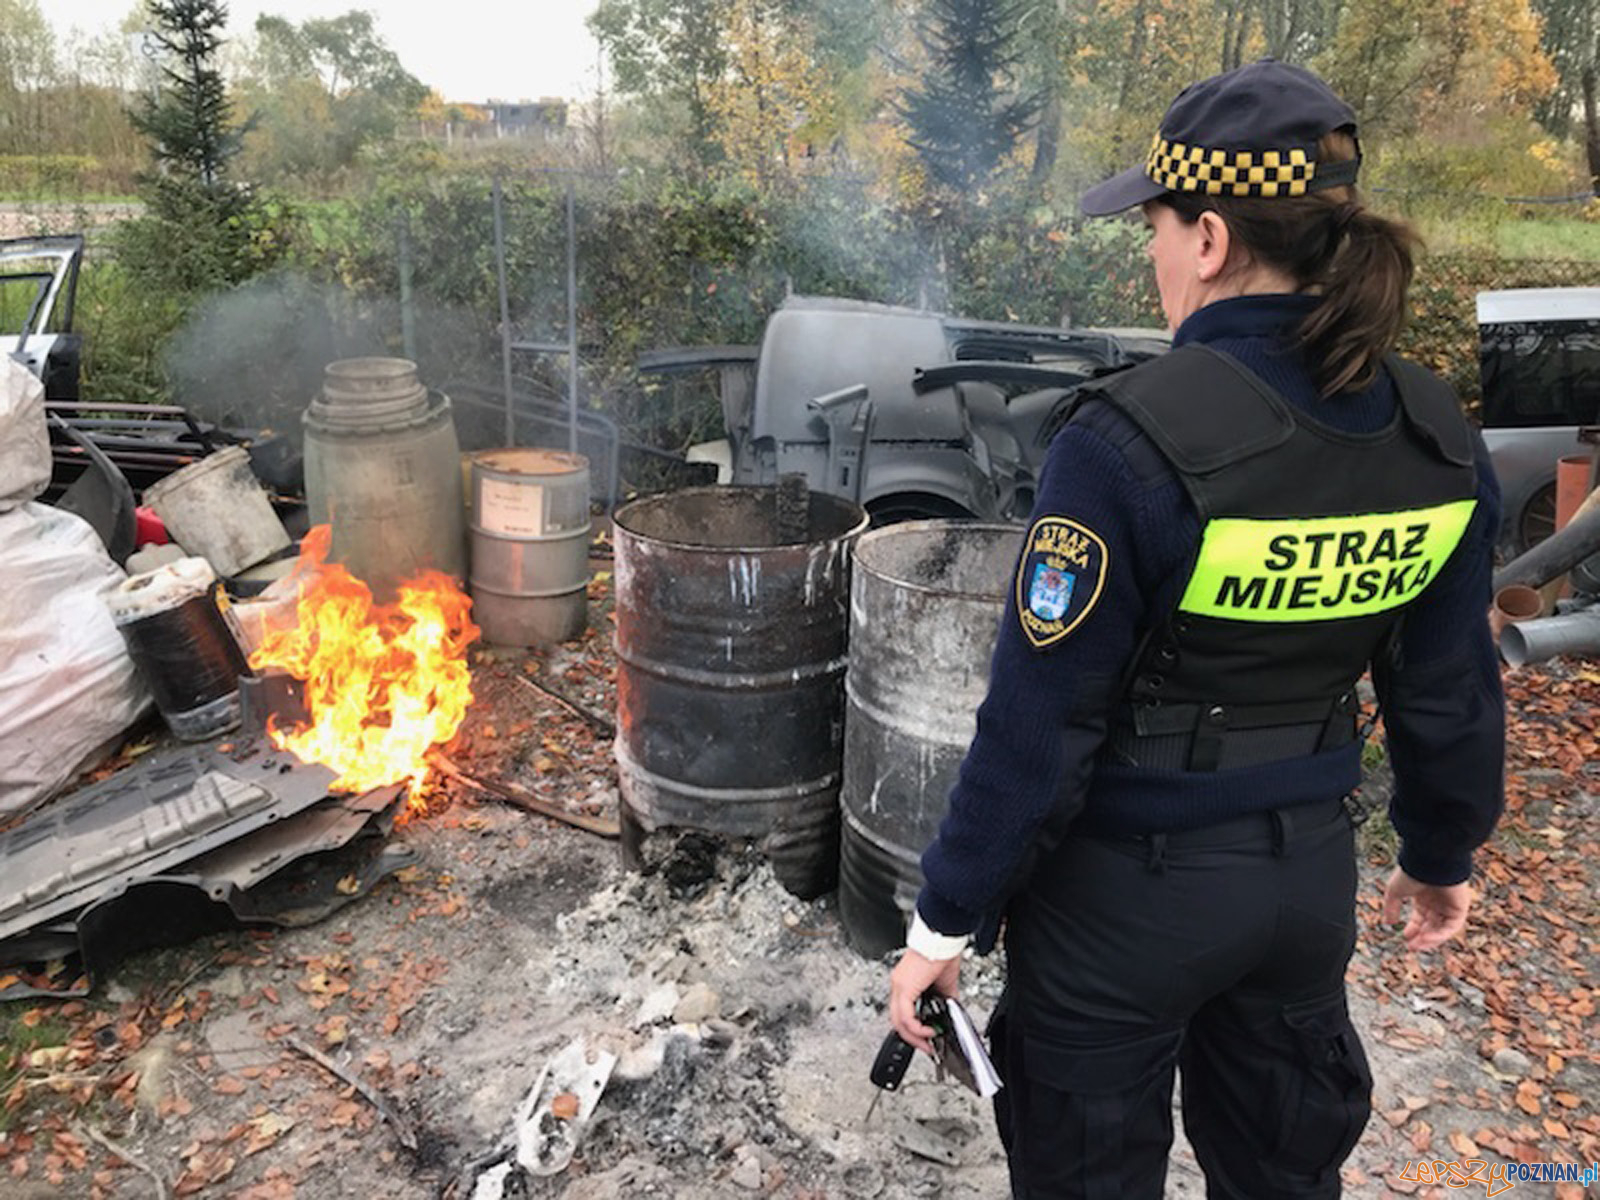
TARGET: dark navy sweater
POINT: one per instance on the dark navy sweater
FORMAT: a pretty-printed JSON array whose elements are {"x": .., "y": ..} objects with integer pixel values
[{"x": 1043, "y": 721}]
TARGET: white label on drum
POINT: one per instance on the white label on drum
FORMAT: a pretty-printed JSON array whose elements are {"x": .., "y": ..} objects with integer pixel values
[{"x": 513, "y": 508}]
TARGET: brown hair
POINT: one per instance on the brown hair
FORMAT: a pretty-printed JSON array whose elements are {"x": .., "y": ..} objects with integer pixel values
[{"x": 1360, "y": 263}]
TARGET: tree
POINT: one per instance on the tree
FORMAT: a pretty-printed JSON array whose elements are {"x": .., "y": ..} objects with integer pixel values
[
  {"x": 27, "y": 66},
  {"x": 770, "y": 91},
  {"x": 201, "y": 228},
  {"x": 1406, "y": 66},
  {"x": 965, "y": 116},
  {"x": 669, "y": 53},
  {"x": 1572, "y": 40},
  {"x": 322, "y": 90},
  {"x": 190, "y": 123}
]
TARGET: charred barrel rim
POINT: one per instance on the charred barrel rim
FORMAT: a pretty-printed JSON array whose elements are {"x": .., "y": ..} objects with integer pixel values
[
  {"x": 885, "y": 554},
  {"x": 662, "y": 519}
]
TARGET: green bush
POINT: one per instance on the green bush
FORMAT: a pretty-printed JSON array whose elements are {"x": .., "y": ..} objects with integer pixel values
[{"x": 660, "y": 263}]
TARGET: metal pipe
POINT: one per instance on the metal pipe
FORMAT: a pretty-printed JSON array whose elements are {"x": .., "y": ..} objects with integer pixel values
[
  {"x": 1534, "y": 641},
  {"x": 505, "y": 308},
  {"x": 408, "y": 308},
  {"x": 1519, "y": 602},
  {"x": 1555, "y": 555},
  {"x": 572, "y": 317}
]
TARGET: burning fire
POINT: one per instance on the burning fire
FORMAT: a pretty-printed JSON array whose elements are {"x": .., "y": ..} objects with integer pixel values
[{"x": 383, "y": 683}]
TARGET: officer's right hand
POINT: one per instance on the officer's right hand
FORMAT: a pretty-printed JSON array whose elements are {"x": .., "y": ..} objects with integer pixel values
[
  {"x": 1438, "y": 913},
  {"x": 912, "y": 976}
]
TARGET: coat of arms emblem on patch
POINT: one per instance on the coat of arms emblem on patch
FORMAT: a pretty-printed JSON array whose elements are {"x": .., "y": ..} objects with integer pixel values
[
  {"x": 1051, "y": 592},
  {"x": 1062, "y": 573}
]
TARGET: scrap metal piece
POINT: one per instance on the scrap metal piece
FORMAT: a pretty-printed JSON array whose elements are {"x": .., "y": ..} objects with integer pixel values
[
  {"x": 402, "y": 1127},
  {"x": 167, "y": 810},
  {"x": 924, "y": 1142},
  {"x": 290, "y": 873},
  {"x": 551, "y": 1118}
]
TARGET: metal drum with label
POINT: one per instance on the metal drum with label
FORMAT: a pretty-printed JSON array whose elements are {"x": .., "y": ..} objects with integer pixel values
[{"x": 529, "y": 542}]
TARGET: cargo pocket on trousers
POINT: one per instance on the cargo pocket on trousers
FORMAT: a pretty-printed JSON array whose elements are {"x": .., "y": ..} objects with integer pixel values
[
  {"x": 1096, "y": 1112},
  {"x": 1328, "y": 1096}
]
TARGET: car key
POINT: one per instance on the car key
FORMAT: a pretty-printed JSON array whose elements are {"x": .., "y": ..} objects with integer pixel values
[{"x": 889, "y": 1068}]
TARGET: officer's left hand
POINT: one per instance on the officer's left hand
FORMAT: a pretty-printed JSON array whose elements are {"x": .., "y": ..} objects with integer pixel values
[
  {"x": 912, "y": 976},
  {"x": 1438, "y": 913}
]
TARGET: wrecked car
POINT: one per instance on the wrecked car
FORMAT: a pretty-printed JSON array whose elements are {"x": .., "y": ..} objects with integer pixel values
[
  {"x": 38, "y": 298},
  {"x": 909, "y": 412}
]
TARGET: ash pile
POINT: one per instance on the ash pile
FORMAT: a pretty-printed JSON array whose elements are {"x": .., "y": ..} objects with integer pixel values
[{"x": 730, "y": 1022}]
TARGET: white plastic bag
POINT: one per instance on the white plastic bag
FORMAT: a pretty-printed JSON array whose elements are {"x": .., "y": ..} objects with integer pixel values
[
  {"x": 67, "y": 686},
  {"x": 24, "y": 439}
]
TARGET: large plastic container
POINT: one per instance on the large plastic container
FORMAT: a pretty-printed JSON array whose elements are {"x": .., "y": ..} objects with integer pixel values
[
  {"x": 925, "y": 605},
  {"x": 529, "y": 541},
  {"x": 730, "y": 670},
  {"x": 383, "y": 468},
  {"x": 216, "y": 508}
]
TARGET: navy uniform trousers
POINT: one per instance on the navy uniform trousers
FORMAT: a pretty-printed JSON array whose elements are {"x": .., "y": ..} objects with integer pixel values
[{"x": 1219, "y": 952}]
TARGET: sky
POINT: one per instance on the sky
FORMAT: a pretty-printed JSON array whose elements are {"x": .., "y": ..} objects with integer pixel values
[{"x": 468, "y": 50}]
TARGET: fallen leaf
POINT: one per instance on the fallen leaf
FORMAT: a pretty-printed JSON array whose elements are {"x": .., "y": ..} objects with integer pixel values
[
  {"x": 265, "y": 1130},
  {"x": 348, "y": 886},
  {"x": 228, "y": 1086},
  {"x": 1528, "y": 1097},
  {"x": 1421, "y": 1137},
  {"x": 564, "y": 1107},
  {"x": 1463, "y": 1145},
  {"x": 48, "y": 1058}
]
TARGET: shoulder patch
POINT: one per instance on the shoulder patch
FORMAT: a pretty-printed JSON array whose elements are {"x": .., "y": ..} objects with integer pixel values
[{"x": 1060, "y": 577}]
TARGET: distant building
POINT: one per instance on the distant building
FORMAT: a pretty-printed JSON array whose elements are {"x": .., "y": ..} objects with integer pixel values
[
  {"x": 543, "y": 119},
  {"x": 522, "y": 117}
]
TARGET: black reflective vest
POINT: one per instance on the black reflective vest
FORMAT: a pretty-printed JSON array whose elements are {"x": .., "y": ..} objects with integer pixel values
[{"x": 1313, "y": 542}]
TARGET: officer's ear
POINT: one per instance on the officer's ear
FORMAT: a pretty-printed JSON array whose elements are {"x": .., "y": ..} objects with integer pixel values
[{"x": 1212, "y": 245}]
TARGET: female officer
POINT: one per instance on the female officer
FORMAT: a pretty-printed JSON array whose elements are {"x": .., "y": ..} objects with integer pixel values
[{"x": 1226, "y": 538}]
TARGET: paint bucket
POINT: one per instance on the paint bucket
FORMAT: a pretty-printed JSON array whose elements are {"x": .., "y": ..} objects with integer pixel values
[
  {"x": 926, "y": 599},
  {"x": 173, "y": 622},
  {"x": 731, "y": 618},
  {"x": 216, "y": 508},
  {"x": 382, "y": 467},
  {"x": 530, "y": 546}
]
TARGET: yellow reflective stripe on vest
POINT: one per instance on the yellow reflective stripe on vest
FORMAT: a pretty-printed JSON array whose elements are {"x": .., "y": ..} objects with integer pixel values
[{"x": 1321, "y": 568}]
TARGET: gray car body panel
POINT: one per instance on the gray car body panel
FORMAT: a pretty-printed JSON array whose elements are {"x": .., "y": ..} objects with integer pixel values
[
  {"x": 970, "y": 446},
  {"x": 143, "y": 822}
]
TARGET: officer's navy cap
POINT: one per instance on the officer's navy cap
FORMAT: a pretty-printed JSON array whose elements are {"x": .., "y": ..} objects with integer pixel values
[{"x": 1252, "y": 131}]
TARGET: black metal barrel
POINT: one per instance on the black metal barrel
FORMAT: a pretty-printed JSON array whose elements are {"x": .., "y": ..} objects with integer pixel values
[
  {"x": 731, "y": 616},
  {"x": 925, "y": 603}
]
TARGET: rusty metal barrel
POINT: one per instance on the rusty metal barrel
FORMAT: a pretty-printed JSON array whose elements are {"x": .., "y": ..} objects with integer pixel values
[
  {"x": 731, "y": 614},
  {"x": 925, "y": 604}
]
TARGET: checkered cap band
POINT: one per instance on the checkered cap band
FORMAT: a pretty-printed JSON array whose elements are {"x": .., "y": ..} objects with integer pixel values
[{"x": 1183, "y": 168}]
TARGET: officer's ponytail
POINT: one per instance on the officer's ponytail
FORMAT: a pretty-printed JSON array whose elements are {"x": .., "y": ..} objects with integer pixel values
[
  {"x": 1364, "y": 282},
  {"x": 1331, "y": 244}
]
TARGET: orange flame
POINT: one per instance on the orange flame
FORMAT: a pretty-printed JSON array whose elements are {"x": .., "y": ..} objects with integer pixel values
[{"x": 383, "y": 682}]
